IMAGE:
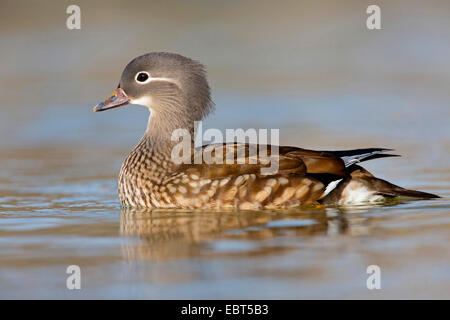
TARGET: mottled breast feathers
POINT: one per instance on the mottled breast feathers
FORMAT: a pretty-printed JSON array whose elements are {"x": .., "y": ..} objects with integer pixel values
[{"x": 240, "y": 184}]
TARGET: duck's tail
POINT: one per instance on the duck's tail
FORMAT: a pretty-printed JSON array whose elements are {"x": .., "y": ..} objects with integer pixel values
[
  {"x": 361, "y": 186},
  {"x": 391, "y": 190}
]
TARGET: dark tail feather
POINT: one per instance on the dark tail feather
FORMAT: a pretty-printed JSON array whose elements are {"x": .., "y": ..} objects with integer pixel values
[
  {"x": 400, "y": 192},
  {"x": 380, "y": 155},
  {"x": 351, "y": 157},
  {"x": 386, "y": 188}
]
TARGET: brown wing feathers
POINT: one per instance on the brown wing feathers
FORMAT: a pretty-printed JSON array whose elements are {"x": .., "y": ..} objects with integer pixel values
[{"x": 291, "y": 160}]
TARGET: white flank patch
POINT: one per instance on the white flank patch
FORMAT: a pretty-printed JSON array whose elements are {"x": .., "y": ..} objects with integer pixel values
[
  {"x": 331, "y": 186},
  {"x": 356, "y": 193}
]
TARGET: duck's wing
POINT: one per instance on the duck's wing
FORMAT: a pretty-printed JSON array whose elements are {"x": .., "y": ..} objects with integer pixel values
[
  {"x": 220, "y": 160},
  {"x": 303, "y": 175},
  {"x": 317, "y": 162},
  {"x": 249, "y": 176}
]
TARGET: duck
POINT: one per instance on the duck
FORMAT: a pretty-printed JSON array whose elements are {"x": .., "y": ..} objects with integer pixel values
[{"x": 175, "y": 90}]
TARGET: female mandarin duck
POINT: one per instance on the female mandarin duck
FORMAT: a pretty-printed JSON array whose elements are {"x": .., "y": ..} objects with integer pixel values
[{"x": 177, "y": 93}]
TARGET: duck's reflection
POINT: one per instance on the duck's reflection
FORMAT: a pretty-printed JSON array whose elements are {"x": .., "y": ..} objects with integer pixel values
[{"x": 166, "y": 234}]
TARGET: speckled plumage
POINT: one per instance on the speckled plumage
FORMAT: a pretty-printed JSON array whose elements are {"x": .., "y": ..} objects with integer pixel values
[{"x": 149, "y": 179}]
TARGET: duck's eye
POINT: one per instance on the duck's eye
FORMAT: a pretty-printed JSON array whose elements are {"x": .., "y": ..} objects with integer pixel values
[{"x": 142, "y": 77}]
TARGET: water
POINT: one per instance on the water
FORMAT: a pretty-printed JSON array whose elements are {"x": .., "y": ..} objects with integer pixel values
[{"x": 334, "y": 86}]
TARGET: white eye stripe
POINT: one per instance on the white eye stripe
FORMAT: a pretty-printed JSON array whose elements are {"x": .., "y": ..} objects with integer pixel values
[{"x": 150, "y": 79}]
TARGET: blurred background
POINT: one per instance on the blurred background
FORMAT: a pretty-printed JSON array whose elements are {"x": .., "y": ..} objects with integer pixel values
[{"x": 310, "y": 68}]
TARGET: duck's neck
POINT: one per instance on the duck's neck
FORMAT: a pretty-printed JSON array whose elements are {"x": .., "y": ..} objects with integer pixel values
[
  {"x": 163, "y": 133},
  {"x": 153, "y": 153}
]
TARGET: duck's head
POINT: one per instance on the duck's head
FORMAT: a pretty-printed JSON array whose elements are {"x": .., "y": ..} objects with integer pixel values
[{"x": 172, "y": 86}]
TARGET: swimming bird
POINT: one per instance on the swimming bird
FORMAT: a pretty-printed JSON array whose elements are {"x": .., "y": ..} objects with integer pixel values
[{"x": 175, "y": 90}]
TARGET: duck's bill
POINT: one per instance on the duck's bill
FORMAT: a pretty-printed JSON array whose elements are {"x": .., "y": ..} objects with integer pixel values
[{"x": 116, "y": 99}]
